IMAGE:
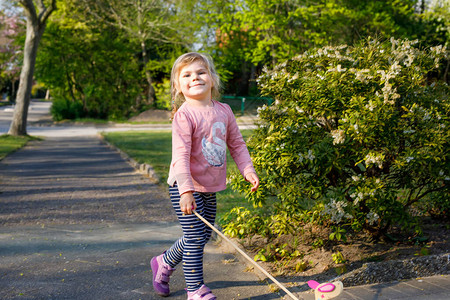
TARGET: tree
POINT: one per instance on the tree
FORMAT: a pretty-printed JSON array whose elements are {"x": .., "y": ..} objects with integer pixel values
[
  {"x": 94, "y": 67},
  {"x": 91, "y": 70},
  {"x": 144, "y": 22},
  {"x": 10, "y": 53},
  {"x": 257, "y": 33},
  {"x": 36, "y": 21}
]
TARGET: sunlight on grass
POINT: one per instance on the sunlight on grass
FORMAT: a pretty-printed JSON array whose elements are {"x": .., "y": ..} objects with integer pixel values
[{"x": 9, "y": 144}]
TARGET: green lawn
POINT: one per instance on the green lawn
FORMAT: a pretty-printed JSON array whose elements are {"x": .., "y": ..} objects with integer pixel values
[
  {"x": 154, "y": 148},
  {"x": 10, "y": 144}
]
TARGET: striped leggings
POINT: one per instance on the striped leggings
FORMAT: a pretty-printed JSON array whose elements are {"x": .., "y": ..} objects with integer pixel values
[{"x": 189, "y": 248}]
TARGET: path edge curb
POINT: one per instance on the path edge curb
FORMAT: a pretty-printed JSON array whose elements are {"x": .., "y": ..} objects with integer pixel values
[{"x": 144, "y": 168}]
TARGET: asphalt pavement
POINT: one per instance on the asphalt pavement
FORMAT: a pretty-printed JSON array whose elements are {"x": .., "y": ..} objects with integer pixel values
[{"x": 78, "y": 222}]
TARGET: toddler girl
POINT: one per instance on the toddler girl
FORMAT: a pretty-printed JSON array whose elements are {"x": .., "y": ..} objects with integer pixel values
[{"x": 202, "y": 128}]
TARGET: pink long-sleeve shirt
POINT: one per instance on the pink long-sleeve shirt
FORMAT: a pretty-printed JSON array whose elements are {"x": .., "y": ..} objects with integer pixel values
[{"x": 200, "y": 136}]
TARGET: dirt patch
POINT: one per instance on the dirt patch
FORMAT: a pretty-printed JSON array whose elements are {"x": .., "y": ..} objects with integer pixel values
[
  {"x": 152, "y": 115},
  {"x": 321, "y": 260}
]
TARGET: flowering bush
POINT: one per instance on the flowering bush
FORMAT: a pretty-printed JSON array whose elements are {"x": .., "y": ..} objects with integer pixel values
[{"x": 358, "y": 134}]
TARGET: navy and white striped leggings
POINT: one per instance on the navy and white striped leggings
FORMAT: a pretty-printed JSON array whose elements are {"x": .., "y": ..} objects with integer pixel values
[{"x": 189, "y": 248}]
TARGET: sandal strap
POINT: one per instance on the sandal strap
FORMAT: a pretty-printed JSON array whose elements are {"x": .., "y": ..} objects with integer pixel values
[
  {"x": 166, "y": 270},
  {"x": 204, "y": 293},
  {"x": 164, "y": 275},
  {"x": 162, "y": 278},
  {"x": 209, "y": 296},
  {"x": 203, "y": 290}
]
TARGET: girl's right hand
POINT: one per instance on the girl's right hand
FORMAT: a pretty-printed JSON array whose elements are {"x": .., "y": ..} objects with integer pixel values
[
  {"x": 253, "y": 179},
  {"x": 187, "y": 203}
]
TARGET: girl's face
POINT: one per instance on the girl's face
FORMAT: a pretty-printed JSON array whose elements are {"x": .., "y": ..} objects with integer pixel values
[{"x": 195, "y": 82}]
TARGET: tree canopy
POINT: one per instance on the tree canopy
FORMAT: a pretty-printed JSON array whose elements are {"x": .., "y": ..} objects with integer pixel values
[
  {"x": 105, "y": 58},
  {"x": 11, "y": 29}
]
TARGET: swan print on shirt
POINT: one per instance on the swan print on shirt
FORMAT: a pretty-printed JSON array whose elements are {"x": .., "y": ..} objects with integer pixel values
[{"x": 215, "y": 151}]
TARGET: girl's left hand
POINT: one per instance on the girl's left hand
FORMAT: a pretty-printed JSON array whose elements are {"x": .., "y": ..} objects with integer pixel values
[
  {"x": 187, "y": 203},
  {"x": 253, "y": 179}
]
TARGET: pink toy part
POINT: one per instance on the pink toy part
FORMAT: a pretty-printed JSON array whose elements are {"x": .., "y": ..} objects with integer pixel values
[
  {"x": 326, "y": 288},
  {"x": 313, "y": 284}
]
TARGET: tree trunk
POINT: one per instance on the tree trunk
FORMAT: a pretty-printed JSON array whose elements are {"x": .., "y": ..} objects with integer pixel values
[
  {"x": 13, "y": 91},
  {"x": 150, "y": 97},
  {"x": 150, "y": 89},
  {"x": 35, "y": 28},
  {"x": 19, "y": 122}
]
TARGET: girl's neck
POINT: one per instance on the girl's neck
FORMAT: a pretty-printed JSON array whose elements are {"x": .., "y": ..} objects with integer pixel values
[{"x": 200, "y": 103}]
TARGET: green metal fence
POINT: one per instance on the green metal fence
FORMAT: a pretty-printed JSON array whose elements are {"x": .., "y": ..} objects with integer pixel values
[{"x": 246, "y": 105}]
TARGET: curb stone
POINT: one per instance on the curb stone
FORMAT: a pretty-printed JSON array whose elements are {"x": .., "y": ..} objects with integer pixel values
[{"x": 144, "y": 169}]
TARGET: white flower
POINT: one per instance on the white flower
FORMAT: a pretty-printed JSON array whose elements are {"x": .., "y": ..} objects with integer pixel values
[
  {"x": 370, "y": 106},
  {"x": 372, "y": 217},
  {"x": 395, "y": 68},
  {"x": 355, "y": 178},
  {"x": 261, "y": 108},
  {"x": 407, "y": 131},
  {"x": 336, "y": 210},
  {"x": 438, "y": 49},
  {"x": 338, "y": 136},
  {"x": 409, "y": 158},
  {"x": 376, "y": 159},
  {"x": 300, "y": 157},
  {"x": 340, "y": 69},
  {"x": 310, "y": 155}
]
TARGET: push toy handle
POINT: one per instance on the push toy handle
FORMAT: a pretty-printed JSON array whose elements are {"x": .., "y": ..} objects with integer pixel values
[{"x": 246, "y": 256}]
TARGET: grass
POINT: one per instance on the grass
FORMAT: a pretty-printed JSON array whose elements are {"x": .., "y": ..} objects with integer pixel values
[
  {"x": 9, "y": 144},
  {"x": 155, "y": 149},
  {"x": 151, "y": 147}
]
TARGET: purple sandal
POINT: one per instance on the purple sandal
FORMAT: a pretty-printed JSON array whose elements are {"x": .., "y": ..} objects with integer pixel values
[
  {"x": 161, "y": 275},
  {"x": 203, "y": 293}
]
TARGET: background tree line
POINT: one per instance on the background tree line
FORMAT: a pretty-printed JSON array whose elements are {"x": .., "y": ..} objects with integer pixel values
[{"x": 111, "y": 59}]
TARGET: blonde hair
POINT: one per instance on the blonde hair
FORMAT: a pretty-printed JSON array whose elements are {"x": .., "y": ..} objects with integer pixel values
[{"x": 183, "y": 61}]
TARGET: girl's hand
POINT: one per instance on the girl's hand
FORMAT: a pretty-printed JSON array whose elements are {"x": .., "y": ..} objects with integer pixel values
[
  {"x": 187, "y": 203},
  {"x": 253, "y": 179}
]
